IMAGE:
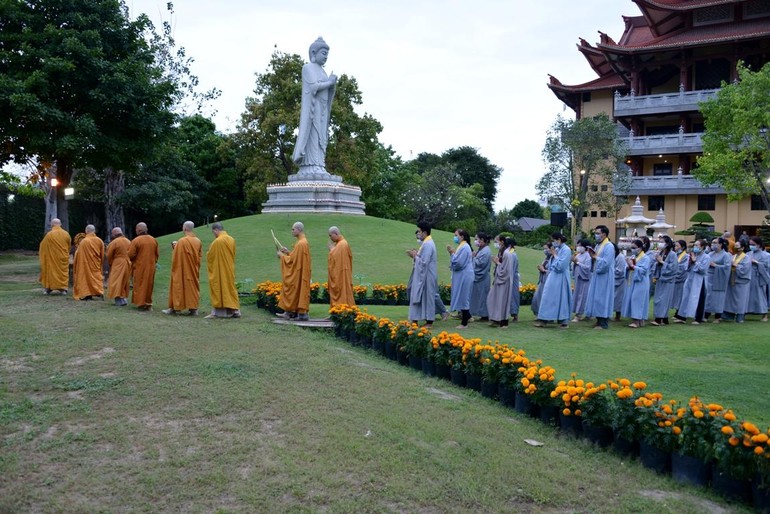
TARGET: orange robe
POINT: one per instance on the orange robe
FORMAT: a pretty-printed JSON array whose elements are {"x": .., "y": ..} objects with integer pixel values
[
  {"x": 341, "y": 274},
  {"x": 295, "y": 275},
  {"x": 143, "y": 253},
  {"x": 220, "y": 263},
  {"x": 184, "y": 292},
  {"x": 120, "y": 268},
  {"x": 55, "y": 259},
  {"x": 87, "y": 275}
]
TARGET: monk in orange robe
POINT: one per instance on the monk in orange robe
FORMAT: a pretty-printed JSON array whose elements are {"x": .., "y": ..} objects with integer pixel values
[
  {"x": 87, "y": 277},
  {"x": 184, "y": 292},
  {"x": 143, "y": 253},
  {"x": 340, "y": 270},
  {"x": 295, "y": 277},
  {"x": 220, "y": 263},
  {"x": 120, "y": 267},
  {"x": 55, "y": 259}
]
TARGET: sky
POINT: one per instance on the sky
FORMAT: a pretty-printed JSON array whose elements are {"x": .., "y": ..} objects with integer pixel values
[{"x": 436, "y": 74}]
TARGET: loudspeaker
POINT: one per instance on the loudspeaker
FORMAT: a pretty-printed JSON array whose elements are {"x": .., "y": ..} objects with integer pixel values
[{"x": 558, "y": 219}]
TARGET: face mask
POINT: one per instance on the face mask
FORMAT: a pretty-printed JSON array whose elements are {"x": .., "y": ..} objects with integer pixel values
[
  {"x": 696, "y": 249},
  {"x": 476, "y": 242},
  {"x": 546, "y": 252},
  {"x": 556, "y": 245},
  {"x": 456, "y": 239},
  {"x": 634, "y": 251},
  {"x": 715, "y": 248},
  {"x": 497, "y": 245},
  {"x": 598, "y": 237},
  {"x": 580, "y": 249},
  {"x": 753, "y": 248}
]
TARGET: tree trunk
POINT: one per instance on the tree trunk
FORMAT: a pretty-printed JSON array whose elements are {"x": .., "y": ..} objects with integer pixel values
[
  {"x": 64, "y": 174},
  {"x": 114, "y": 185}
]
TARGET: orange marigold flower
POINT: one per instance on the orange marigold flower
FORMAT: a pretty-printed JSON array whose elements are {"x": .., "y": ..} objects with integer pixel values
[
  {"x": 640, "y": 385},
  {"x": 567, "y": 412},
  {"x": 727, "y": 430},
  {"x": 734, "y": 441},
  {"x": 676, "y": 430},
  {"x": 578, "y": 412},
  {"x": 759, "y": 450},
  {"x": 729, "y": 416},
  {"x": 759, "y": 438}
]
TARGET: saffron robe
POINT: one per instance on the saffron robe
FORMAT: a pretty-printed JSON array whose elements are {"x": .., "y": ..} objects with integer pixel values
[
  {"x": 220, "y": 264},
  {"x": 515, "y": 292},
  {"x": 601, "y": 289},
  {"x": 499, "y": 297},
  {"x": 295, "y": 278},
  {"x": 696, "y": 278},
  {"x": 581, "y": 270},
  {"x": 120, "y": 268},
  {"x": 620, "y": 282},
  {"x": 481, "y": 265},
  {"x": 55, "y": 259},
  {"x": 143, "y": 253},
  {"x": 87, "y": 275},
  {"x": 665, "y": 275},
  {"x": 636, "y": 302},
  {"x": 717, "y": 278},
  {"x": 760, "y": 278},
  {"x": 556, "y": 300},
  {"x": 739, "y": 286},
  {"x": 184, "y": 290},
  {"x": 341, "y": 274},
  {"x": 424, "y": 285},
  {"x": 461, "y": 265}
]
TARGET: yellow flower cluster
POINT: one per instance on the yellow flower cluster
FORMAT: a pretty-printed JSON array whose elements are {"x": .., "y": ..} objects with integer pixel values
[
  {"x": 574, "y": 393},
  {"x": 388, "y": 292},
  {"x": 537, "y": 378},
  {"x": 527, "y": 288}
]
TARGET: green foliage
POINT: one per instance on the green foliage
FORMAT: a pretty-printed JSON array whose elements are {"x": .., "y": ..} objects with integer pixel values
[
  {"x": 22, "y": 217},
  {"x": 736, "y": 143},
  {"x": 701, "y": 223},
  {"x": 527, "y": 209}
]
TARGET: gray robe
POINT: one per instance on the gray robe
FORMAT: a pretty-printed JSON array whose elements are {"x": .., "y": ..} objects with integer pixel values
[
  {"x": 581, "y": 271},
  {"x": 481, "y": 265},
  {"x": 665, "y": 283},
  {"x": 461, "y": 265},
  {"x": 717, "y": 278},
  {"x": 515, "y": 293},
  {"x": 556, "y": 302},
  {"x": 499, "y": 298},
  {"x": 696, "y": 276},
  {"x": 424, "y": 287},
  {"x": 636, "y": 302},
  {"x": 601, "y": 290},
  {"x": 760, "y": 278},
  {"x": 540, "y": 284},
  {"x": 739, "y": 287},
  {"x": 681, "y": 275},
  {"x": 620, "y": 282}
]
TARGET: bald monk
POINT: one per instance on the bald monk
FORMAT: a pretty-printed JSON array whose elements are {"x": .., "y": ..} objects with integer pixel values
[
  {"x": 87, "y": 267},
  {"x": 184, "y": 292},
  {"x": 295, "y": 276},
  {"x": 120, "y": 267},
  {"x": 220, "y": 263},
  {"x": 55, "y": 259},
  {"x": 340, "y": 269},
  {"x": 143, "y": 253}
]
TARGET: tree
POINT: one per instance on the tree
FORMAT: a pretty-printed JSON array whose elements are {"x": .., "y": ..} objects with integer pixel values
[
  {"x": 579, "y": 155},
  {"x": 527, "y": 209},
  {"x": 701, "y": 227},
  {"x": 81, "y": 86},
  {"x": 265, "y": 133},
  {"x": 389, "y": 185},
  {"x": 736, "y": 142}
]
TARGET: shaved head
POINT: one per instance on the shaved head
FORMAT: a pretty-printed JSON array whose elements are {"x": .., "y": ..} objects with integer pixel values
[
  {"x": 299, "y": 226},
  {"x": 334, "y": 230},
  {"x": 117, "y": 231},
  {"x": 188, "y": 226},
  {"x": 56, "y": 222},
  {"x": 141, "y": 228},
  {"x": 90, "y": 229}
]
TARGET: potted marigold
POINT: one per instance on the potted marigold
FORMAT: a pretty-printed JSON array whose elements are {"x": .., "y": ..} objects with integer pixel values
[
  {"x": 344, "y": 318},
  {"x": 491, "y": 358},
  {"x": 537, "y": 383},
  {"x": 591, "y": 403},
  {"x": 438, "y": 353},
  {"x": 734, "y": 463},
  {"x": 510, "y": 362},
  {"x": 365, "y": 324},
  {"x": 472, "y": 363},
  {"x": 381, "y": 335},
  {"x": 700, "y": 426},
  {"x": 625, "y": 424},
  {"x": 659, "y": 423}
]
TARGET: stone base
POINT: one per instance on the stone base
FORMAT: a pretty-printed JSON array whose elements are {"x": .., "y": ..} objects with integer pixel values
[{"x": 312, "y": 196}]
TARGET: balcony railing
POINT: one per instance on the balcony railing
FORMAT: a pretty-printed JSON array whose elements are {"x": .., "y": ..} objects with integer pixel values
[
  {"x": 664, "y": 144},
  {"x": 682, "y": 101},
  {"x": 668, "y": 185}
]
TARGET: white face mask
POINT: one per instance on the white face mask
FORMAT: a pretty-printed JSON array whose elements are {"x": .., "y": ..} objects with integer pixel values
[
  {"x": 497, "y": 245},
  {"x": 476, "y": 242},
  {"x": 580, "y": 249}
]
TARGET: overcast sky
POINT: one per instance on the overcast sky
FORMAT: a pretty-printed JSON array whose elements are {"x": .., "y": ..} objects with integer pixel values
[{"x": 437, "y": 75}]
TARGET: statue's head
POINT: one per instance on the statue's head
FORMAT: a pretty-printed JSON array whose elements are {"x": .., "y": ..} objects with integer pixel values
[{"x": 319, "y": 50}]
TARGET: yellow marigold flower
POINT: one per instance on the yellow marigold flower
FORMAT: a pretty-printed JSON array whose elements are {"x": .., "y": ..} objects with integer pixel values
[
  {"x": 750, "y": 428},
  {"x": 759, "y": 450},
  {"x": 566, "y": 412},
  {"x": 734, "y": 441},
  {"x": 676, "y": 430},
  {"x": 525, "y": 381},
  {"x": 578, "y": 412},
  {"x": 640, "y": 385},
  {"x": 698, "y": 414},
  {"x": 730, "y": 416},
  {"x": 624, "y": 382},
  {"x": 759, "y": 438},
  {"x": 715, "y": 406},
  {"x": 727, "y": 430},
  {"x": 566, "y": 398}
]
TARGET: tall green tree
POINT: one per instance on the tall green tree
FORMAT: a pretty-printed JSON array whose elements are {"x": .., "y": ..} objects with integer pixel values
[
  {"x": 527, "y": 209},
  {"x": 80, "y": 87},
  {"x": 265, "y": 136},
  {"x": 736, "y": 143},
  {"x": 581, "y": 154}
]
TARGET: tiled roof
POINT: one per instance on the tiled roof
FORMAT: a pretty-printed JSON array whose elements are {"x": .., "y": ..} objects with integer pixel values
[
  {"x": 606, "y": 82},
  {"x": 682, "y": 5}
]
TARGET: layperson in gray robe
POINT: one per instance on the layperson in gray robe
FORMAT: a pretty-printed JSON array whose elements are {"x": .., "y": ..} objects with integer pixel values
[
  {"x": 760, "y": 278},
  {"x": 499, "y": 298},
  {"x": 620, "y": 282},
  {"x": 717, "y": 277},
  {"x": 665, "y": 281},
  {"x": 601, "y": 289},
  {"x": 636, "y": 302},
  {"x": 739, "y": 286},
  {"x": 515, "y": 293},
  {"x": 682, "y": 264},
  {"x": 556, "y": 302},
  {"x": 461, "y": 265},
  {"x": 482, "y": 263},
  {"x": 694, "y": 291},
  {"x": 424, "y": 287},
  {"x": 581, "y": 272},
  {"x": 542, "y": 269}
]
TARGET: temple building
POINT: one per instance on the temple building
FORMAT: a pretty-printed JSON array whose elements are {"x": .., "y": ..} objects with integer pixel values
[{"x": 673, "y": 56}]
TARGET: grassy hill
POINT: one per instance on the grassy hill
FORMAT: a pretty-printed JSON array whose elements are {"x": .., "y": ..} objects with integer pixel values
[{"x": 378, "y": 249}]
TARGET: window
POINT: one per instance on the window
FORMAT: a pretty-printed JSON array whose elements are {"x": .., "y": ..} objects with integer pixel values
[
  {"x": 593, "y": 214},
  {"x": 715, "y": 14},
  {"x": 656, "y": 203},
  {"x": 594, "y": 188},
  {"x": 756, "y": 203},
  {"x": 710, "y": 74},
  {"x": 587, "y": 96},
  {"x": 756, "y": 9},
  {"x": 662, "y": 168},
  {"x": 602, "y": 214},
  {"x": 707, "y": 202},
  {"x": 604, "y": 187}
]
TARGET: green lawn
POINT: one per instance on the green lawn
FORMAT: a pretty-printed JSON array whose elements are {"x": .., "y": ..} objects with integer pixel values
[{"x": 108, "y": 409}]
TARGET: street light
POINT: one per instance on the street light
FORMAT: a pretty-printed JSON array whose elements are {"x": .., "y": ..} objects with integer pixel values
[
  {"x": 54, "y": 182},
  {"x": 69, "y": 193}
]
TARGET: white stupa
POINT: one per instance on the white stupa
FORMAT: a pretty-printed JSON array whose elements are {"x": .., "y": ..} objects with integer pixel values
[
  {"x": 635, "y": 224},
  {"x": 660, "y": 226}
]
